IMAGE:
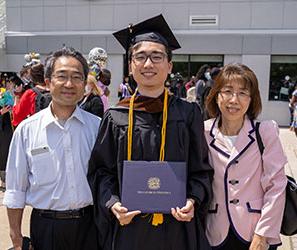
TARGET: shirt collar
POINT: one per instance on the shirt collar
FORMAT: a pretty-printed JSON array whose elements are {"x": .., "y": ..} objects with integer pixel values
[{"x": 49, "y": 117}]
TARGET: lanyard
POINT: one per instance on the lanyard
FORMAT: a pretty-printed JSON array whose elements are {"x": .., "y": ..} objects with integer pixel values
[{"x": 163, "y": 132}]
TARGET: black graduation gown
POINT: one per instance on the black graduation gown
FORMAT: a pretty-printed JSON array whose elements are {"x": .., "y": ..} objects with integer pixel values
[
  {"x": 184, "y": 142},
  {"x": 93, "y": 105},
  {"x": 5, "y": 138}
]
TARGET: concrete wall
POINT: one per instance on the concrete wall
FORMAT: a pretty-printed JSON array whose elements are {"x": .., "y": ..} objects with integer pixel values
[{"x": 41, "y": 15}]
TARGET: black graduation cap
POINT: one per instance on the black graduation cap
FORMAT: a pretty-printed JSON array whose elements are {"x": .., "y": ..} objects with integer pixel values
[{"x": 154, "y": 29}]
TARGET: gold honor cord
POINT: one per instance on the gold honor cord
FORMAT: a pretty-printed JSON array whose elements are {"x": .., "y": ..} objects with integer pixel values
[{"x": 157, "y": 217}]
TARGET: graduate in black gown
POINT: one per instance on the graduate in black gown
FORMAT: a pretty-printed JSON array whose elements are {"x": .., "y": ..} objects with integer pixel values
[
  {"x": 141, "y": 139},
  {"x": 6, "y": 132}
]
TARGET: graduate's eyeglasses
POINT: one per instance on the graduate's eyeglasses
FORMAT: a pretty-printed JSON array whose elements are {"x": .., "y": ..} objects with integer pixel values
[
  {"x": 241, "y": 95},
  {"x": 155, "y": 57},
  {"x": 63, "y": 78}
]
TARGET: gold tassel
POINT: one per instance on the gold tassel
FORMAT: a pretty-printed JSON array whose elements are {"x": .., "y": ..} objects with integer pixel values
[{"x": 157, "y": 219}]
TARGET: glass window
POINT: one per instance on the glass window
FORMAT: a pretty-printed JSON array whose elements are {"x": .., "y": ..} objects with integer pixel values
[
  {"x": 188, "y": 65},
  {"x": 283, "y": 77},
  {"x": 181, "y": 65},
  {"x": 196, "y": 61}
]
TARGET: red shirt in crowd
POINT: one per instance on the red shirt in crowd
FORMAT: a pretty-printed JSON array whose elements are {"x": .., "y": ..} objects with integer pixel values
[{"x": 25, "y": 108}]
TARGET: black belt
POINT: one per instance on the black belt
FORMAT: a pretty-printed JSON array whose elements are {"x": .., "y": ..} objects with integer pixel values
[{"x": 66, "y": 214}]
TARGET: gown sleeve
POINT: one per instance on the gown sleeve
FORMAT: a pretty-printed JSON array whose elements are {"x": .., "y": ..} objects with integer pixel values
[
  {"x": 199, "y": 170},
  {"x": 102, "y": 177}
]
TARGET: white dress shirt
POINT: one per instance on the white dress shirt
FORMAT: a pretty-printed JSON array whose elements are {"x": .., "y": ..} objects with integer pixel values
[{"x": 48, "y": 163}]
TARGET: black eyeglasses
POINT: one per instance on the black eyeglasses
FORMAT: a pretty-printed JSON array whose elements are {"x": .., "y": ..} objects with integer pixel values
[
  {"x": 155, "y": 57},
  {"x": 75, "y": 78}
]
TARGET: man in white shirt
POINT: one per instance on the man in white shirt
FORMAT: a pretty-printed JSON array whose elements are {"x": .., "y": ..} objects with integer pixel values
[{"x": 48, "y": 163}]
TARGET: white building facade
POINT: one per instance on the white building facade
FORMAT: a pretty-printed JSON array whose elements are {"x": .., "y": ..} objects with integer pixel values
[{"x": 261, "y": 34}]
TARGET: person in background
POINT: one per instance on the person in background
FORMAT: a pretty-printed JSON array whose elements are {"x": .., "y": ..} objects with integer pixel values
[
  {"x": 24, "y": 106},
  {"x": 124, "y": 89},
  {"x": 6, "y": 132},
  {"x": 48, "y": 163},
  {"x": 202, "y": 76},
  {"x": 92, "y": 99},
  {"x": 150, "y": 48},
  {"x": 293, "y": 107},
  {"x": 190, "y": 83},
  {"x": 31, "y": 59},
  {"x": 103, "y": 83},
  {"x": 292, "y": 100},
  {"x": 249, "y": 188},
  {"x": 209, "y": 84},
  {"x": 97, "y": 63},
  {"x": 177, "y": 86},
  {"x": 17, "y": 86}
]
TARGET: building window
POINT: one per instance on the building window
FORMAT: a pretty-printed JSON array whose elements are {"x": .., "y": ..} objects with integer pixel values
[
  {"x": 188, "y": 65},
  {"x": 283, "y": 77}
]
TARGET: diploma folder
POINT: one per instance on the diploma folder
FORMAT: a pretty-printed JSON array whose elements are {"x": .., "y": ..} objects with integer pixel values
[{"x": 154, "y": 186}]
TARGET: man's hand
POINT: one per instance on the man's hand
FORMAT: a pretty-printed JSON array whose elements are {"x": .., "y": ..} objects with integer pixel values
[
  {"x": 15, "y": 222},
  {"x": 259, "y": 243},
  {"x": 17, "y": 240},
  {"x": 185, "y": 213},
  {"x": 122, "y": 214}
]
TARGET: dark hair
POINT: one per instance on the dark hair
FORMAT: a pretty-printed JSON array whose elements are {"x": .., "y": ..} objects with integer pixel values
[
  {"x": 105, "y": 72},
  {"x": 24, "y": 70},
  {"x": 37, "y": 73},
  {"x": 201, "y": 71},
  {"x": 137, "y": 45},
  {"x": 214, "y": 72},
  {"x": 125, "y": 78},
  {"x": 16, "y": 80},
  {"x": 105, "y": 76},
  {"x": 64, "y": 52},
  {"x": 239, "y": 73}
]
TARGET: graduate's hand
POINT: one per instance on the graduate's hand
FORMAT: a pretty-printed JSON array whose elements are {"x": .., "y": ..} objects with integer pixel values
[
  {"x": 122, "y": 214},
  {"x": 259, "y": 243},
  {"x": 185, "y": 213}
]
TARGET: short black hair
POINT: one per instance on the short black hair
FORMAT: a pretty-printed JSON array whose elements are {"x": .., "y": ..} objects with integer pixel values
[
  {"x": 64, "y": 52},
  {"x": 16, "y": 80}
]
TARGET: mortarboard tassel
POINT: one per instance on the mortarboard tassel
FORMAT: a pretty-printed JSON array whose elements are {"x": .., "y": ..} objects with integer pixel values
[{"x": 157, "y": 219}]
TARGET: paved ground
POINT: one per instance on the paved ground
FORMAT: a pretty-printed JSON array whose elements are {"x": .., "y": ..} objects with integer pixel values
[{"x": 289, "y": 142}]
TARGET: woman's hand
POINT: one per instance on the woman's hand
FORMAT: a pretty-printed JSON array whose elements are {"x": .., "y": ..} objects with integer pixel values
[
  {"x": 259, "y": 243},
  {"x": 5, "y": 110},
  {"x": 185, "y": 213},
  {"x": 121, "y": 213}
]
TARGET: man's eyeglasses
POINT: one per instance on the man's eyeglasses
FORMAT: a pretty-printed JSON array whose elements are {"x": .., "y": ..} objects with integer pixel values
[
  {"x": 241, "y": 95},
  {"x": 155, "y": 57},
  {"x": 63, "y": 78}
]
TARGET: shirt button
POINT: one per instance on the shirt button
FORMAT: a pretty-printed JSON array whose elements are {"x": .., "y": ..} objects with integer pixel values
[
  {"x": 233, "y": 182},
  {"x": 234, "y": 201}
]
